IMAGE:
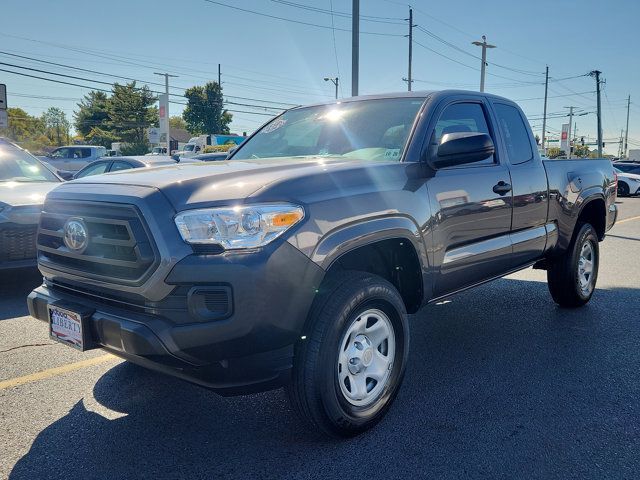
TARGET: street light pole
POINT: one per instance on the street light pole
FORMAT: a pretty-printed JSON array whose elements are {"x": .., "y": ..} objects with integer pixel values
[
  {"x": 166, "y": 108},
  {"x": 544, "y": 117},
  {"x": 570, "y": 122},
  {"x": 484, "y": 46},
  {"x": 334, "y": 81},
  {"x": 626, "y": 131}
]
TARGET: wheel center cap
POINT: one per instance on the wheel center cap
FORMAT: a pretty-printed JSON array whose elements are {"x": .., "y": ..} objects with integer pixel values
[{"x": 367, "y": 357}]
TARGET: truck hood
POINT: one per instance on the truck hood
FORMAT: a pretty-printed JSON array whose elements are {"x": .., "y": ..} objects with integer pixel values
[
  {"x": 17, "y": 194},
  {"x": 196, "y": 185}
]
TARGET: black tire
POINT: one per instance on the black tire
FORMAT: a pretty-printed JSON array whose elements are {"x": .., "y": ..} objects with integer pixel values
[
  {"x": 623, "y": 189},
  {"x": 563, "y": 274},
  {"x": 315, "y": 392}
]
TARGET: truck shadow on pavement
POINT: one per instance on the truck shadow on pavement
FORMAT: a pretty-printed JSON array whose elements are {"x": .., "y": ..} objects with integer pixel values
[
  {"x": 500, "y": 383},
  {"x": 15, "y": 286}
]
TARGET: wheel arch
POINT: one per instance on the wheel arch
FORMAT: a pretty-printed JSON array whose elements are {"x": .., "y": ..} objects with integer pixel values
[
  {"x": 391, "y": 248},
  {"x": 594, "y": 211}
]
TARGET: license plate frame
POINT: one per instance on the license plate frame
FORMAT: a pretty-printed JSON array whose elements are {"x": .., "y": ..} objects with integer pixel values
[{"x": 70, "y": 327}]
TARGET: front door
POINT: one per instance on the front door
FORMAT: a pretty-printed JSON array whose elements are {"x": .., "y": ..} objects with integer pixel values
[{"x": 471, "y": 205}]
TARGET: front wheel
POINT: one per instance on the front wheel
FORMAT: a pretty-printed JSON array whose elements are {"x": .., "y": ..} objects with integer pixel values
[
  {"x": 348, "y": 369},
  {"x": 572, "y": 277}
]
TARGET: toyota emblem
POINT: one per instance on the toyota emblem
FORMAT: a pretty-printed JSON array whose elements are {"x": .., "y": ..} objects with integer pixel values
[{"x": 76, "y": 237}]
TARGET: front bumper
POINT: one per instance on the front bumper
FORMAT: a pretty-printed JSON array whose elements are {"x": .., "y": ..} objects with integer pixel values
[{"x": 249, "y": 349}]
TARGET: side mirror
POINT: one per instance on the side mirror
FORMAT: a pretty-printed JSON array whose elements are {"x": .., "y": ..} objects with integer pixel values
[
  {"x": 461, "y": 148},
  {"x": 231, "y": 150}
]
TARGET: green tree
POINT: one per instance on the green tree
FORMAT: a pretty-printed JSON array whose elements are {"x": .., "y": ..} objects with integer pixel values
[
  {"x": 204, "y": 112},
  {"x": 177, "y": 122},
  {"x": 100, "y": 136},
  {"x": 93, "y": 112},
  {"x": 57, "y": 126},
  {"x": 131, "y": 112},
  {"x": 26, "y": 130}
]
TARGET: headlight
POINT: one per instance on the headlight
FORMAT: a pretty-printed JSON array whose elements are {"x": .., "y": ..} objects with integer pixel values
[{"x": 246, "y": 226}]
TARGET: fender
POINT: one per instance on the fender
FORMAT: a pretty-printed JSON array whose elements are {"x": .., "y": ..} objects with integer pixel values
[
  {"x": 567, "y": 227},
  {"x": 346, "y": 238}
]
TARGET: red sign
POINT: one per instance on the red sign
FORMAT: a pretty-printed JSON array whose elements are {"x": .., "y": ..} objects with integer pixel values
[
  {"x": 564, "y": 134},
  {"x": 161, "y": 111}
]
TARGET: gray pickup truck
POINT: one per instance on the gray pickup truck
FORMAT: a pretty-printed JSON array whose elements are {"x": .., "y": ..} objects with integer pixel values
[{"x": 297, "y": 261}]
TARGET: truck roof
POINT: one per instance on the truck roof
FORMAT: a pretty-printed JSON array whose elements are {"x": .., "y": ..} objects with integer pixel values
[{"x": 413, "y": 94}]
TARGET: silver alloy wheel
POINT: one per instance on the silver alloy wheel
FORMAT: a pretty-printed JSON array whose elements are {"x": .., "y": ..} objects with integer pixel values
[
  {"x": 585, "y": 268},
  {"x": 365, "y": 357}
]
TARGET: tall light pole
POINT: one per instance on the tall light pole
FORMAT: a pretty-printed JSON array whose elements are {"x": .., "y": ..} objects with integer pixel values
[
  {"x": 544, "y": 117},
  {"x": 570, "y": 125},
  {"x": 335, "y": 81},
  {"x": 484, "y": 46},
  {"x": 355, "y": 46},
  {"x": 166, "y": 108},
  {"x": 626, "y": 131}
]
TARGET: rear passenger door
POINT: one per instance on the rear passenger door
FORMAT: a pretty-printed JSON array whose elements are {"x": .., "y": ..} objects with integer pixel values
[
  {"x": 471, "y": 204},
  {"x": 529, "y": 183}
]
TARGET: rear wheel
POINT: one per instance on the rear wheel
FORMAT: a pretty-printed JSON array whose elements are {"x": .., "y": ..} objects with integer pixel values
[
  {"x": 348, "y": 370},
  {"x": 623, "y": 189},
  {"x": 572, "y": 277}
]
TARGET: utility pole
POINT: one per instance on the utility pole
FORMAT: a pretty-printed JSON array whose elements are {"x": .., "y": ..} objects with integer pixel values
[
  {"x": 219, "y": 77},
  {"x": 409, "y": 78},
  {"x": 355, "y": 46},
  {"x": 166, "y": 108},
  {"x": 484, "y": 46},
  {"x": 621, "y": 144},
  {"x": 544, "y": 115},
  {"x": 596, "y": 74},
  {"x": 334, "y": 81},
  {"x": 626, "y": 131},
  {"x": 570, "y": 122}
]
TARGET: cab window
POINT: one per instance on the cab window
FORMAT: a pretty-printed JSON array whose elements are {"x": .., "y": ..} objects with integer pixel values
[
  {"x": 462, "y": 117},
  {"x": 515, "y": 134}
]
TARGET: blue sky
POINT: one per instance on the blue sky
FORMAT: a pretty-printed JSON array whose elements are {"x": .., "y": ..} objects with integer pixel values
[{"x": 270, "y": 60}]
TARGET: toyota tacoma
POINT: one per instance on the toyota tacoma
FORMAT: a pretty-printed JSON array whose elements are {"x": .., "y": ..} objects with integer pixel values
[{"x": 297, "y": 261}]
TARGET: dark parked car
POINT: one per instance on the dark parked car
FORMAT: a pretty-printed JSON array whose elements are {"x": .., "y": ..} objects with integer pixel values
[
  {"x": 115, "y": 164},
  {"x": 298, "y": 261},
  {"x": 24, "y": 182}
]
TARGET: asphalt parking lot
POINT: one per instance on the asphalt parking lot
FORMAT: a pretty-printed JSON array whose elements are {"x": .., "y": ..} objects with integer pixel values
[{"x": 500, "y": 384}]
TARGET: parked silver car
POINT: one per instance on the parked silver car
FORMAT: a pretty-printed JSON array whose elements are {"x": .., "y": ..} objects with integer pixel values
[{"x": 24, "y": 182}]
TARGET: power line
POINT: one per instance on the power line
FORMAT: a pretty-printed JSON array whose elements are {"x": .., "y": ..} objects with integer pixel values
[
  {"x": 367, "y": 18},
  {"x": 114, "y": 76},
  {"x": 109, "y": 91},
  {"x": 309, "y": 24}
]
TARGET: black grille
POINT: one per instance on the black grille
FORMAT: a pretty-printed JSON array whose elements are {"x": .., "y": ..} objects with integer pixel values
[
  {"x": 17, "y": 242},
  {"x": 119, "y": 248}
]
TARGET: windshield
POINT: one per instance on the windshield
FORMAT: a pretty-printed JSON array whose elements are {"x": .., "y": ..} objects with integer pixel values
[
  {"x": 16, "y": 165},
  {"x": 189, "y": 147},
  {"x": 364, "y": 130}
]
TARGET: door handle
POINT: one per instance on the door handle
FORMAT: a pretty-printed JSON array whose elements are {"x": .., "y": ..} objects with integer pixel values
[{"x": 502, "y": 188}]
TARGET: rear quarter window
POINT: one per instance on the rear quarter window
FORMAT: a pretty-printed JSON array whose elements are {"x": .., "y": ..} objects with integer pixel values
[{"x": 515, "y": 133}]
